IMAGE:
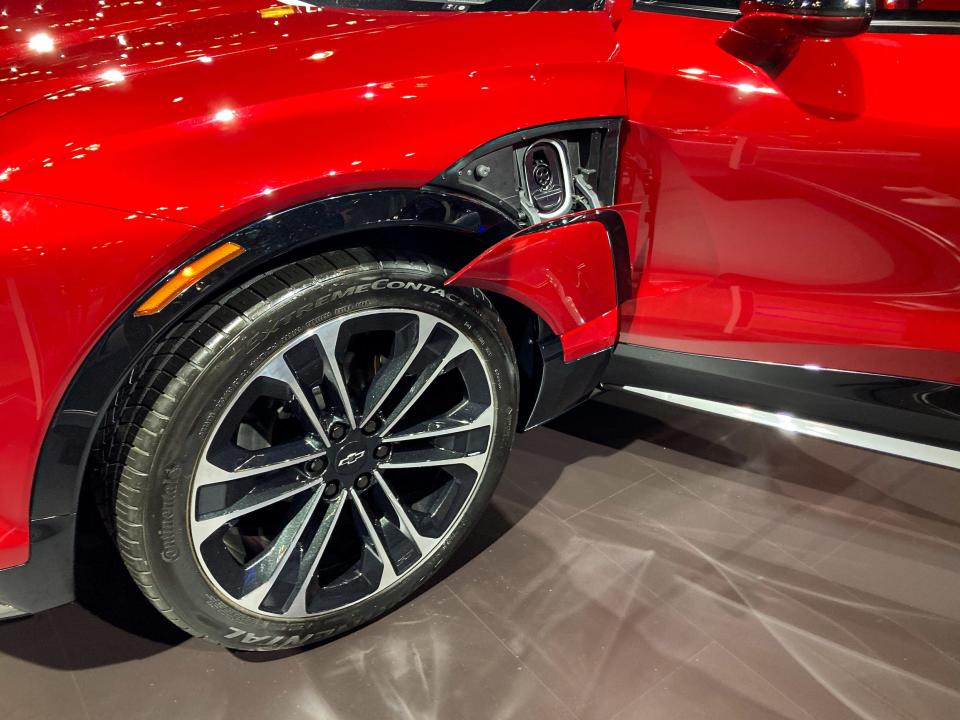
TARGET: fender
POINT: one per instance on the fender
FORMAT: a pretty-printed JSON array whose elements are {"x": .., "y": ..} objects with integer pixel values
[{"x": 574, "y": 273}]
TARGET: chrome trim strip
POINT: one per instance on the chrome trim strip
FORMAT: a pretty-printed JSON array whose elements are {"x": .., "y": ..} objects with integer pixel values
[
  {"x": 788, "y": 423},
  {"x": 8, "y": 612},
  {"x": 919, "y": 25},
  {"x": 692, "y": 7}
]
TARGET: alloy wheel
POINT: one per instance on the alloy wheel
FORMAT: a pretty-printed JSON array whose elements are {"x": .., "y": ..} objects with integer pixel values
[{"x": 342, "y": 463}]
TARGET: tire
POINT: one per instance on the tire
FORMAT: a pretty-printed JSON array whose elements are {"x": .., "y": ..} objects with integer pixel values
[{"x": 238, "y": 465}]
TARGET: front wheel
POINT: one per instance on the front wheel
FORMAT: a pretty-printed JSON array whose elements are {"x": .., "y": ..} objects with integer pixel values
[{"x": 307, "y": 452}]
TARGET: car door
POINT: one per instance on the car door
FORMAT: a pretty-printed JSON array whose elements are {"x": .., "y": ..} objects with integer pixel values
[
  {"x": 806, "y": 217},
  {"x": 802, "y": 214}
]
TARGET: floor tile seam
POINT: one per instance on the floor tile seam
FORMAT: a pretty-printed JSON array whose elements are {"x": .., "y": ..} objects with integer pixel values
[{"x": 510, "y": 652}]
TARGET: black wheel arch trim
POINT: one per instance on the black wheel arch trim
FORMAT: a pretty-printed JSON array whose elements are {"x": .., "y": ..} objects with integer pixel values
[
  {"x": 564, "y": 385},
  {"x": 47, "y": 579}
]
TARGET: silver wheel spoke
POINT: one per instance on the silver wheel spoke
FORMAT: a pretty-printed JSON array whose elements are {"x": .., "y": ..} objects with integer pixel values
[
  {"x": 328, "y": 341},
  {"x": 425, "y": 326},
  {"x": 311, "y": 558},
  {"x": 278, "y": 369},
  {"x": 435, "y": 457},
  {"x": 424, "y": 544},
  {"x": 261, "y": 575},
  {"x": 444, "y": 426},
  {"x": 389, "y": 575},
  {"x": 258, "y": 464},
  {"x": 255, "y": 500},
  {"x": 431, "y": 373}
]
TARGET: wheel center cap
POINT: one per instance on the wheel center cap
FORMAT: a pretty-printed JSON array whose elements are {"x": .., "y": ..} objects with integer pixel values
[{"x": 350, "y": 455}]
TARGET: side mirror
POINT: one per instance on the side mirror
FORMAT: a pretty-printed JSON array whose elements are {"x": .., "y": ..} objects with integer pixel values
[{"x": 769, "y": 31}]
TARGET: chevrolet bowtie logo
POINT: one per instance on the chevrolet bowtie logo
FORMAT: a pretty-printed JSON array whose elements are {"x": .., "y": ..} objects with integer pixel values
[{"x": 350, "y": 458}]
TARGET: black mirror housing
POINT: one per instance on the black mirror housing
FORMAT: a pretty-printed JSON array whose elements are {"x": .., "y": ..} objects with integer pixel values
[{"x": 769, "y": 31}]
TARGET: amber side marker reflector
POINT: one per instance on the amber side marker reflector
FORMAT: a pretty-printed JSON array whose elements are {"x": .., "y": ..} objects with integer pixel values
[
  {"x": 276, "y": 12},
  {"x": 202, "y": 266}
]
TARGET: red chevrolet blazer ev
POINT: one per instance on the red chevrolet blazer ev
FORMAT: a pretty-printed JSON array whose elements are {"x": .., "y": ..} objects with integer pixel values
[{"x": 280, "y": 281}]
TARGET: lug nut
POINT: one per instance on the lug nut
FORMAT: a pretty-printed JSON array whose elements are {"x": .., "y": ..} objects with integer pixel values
[
  {"x": 381, "y": 452},
  {"x": 370, "y": 427},
  {"x": 317, "y": 466},
  {"x": 362, "y": 482},
  {"x": 331, "y": 489},
  {"x": 337, "y": 432}
]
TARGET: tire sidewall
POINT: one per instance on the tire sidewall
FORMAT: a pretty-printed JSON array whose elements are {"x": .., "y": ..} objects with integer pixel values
[{"x": 273, "y": 326}]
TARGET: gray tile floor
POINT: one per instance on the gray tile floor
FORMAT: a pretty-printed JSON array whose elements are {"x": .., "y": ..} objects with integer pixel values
[{"x": 639, "y": 561}]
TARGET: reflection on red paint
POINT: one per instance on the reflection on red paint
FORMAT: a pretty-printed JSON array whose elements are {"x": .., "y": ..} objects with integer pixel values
[
  {"x": 815, "y": 222},
  {"x": 564, "y": 274}
]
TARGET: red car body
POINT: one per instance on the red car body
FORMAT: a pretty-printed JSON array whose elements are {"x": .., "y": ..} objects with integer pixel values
[{"x": 804, "y": 218}]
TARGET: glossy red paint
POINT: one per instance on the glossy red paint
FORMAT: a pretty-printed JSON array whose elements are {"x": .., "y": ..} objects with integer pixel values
[
  {"x": 64, "y": 270},
  {"x": 564, "y": 274},
  {"x": 160, "y": 129},
  {"x": 593, "y": 336},
  {"x": 218, "y": 142},
  {"x": 811, "y": 218}
]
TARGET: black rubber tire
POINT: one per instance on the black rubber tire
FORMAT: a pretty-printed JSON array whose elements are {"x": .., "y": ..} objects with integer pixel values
[{"x": 167, "y": 412}]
